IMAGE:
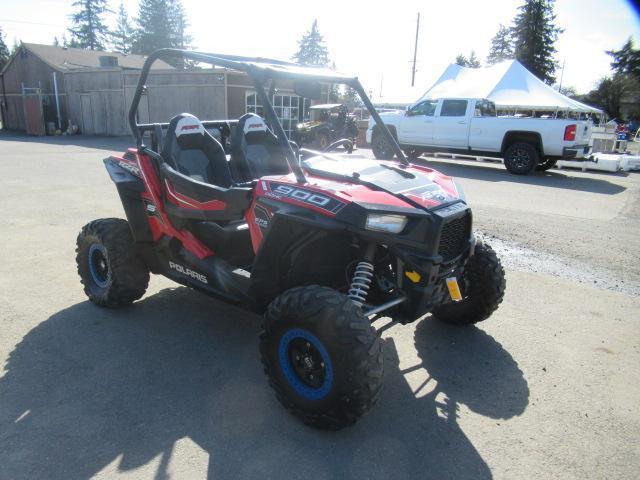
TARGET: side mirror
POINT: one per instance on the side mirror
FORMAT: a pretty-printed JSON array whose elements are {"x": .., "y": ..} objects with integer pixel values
[{"x": 307, "y": 89}]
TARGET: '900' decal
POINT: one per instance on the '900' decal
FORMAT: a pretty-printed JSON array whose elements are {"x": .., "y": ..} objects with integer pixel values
[{"x": 318, "y": 200}]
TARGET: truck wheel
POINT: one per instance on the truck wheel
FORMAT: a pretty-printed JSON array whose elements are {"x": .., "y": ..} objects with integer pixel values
[
  {"x": 520, "y": 158},
  {"x": 482, "y": 285},
  {"x": 112, "y": 274},
  {"x": 321, "y": 356},
  {"x": 381, "y": 147},
  {"x": 412, "y": 153},
  {"x": 546, "y": 164}
]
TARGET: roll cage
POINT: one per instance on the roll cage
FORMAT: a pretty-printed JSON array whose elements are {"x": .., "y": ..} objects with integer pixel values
[{"x": 260, "y": 70}]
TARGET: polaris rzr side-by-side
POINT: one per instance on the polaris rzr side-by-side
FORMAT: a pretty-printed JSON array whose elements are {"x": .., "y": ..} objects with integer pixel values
[{"x": 321, "y": 243}]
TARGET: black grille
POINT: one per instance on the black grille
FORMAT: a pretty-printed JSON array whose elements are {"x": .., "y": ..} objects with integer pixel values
[
  {"x": 129, "y": 155},
  {"x": 454, "y": 236}
]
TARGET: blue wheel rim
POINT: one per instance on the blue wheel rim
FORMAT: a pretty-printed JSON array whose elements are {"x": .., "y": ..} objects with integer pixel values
[
  {"x": 293, "y": 378},
  {"x": 99, "y": 265}
]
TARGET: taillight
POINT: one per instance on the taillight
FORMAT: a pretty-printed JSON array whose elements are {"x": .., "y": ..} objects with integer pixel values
[{"x": 570, "y": 133}]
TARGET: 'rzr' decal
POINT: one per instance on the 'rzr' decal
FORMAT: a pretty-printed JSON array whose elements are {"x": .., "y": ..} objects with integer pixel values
[{"x": 318, "y": 200}]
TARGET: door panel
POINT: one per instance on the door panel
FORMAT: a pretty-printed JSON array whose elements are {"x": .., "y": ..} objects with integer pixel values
[
  {"x": 417, "y": 124},
  {"x": 451, "y": 126},
  {"x": 87, "y": 114}
]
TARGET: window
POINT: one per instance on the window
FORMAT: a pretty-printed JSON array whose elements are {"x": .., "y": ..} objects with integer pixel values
[
  {"x": 427, "y": 108},
  {"x": 485, "y": 108},
  {"x": 453, "y": 108},
  {"x": 287, "y": 108}
]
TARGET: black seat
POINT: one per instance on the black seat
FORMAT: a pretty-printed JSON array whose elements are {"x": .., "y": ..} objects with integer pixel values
[
  {"x": 191, "y": 150},
  {"x": 255, "y": 151},
  {"x": 197, "y": 180}
]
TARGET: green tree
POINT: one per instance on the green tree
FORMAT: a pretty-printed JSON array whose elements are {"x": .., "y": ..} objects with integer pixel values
[
  {"x": 609, "y": 93},
  {"x": 161, "y": 24},
  {"x": 311, "y": 48},
  {"x": 4, "y": 51},
  {"x": 535, "y": 35},
  {"x": 471, "y": 62},
  {"x": 122, "y": 36},
  {"x": 88, "y": 30},
  {"x": 501, "y": 46},
  {"x": 626, "y": 61}
]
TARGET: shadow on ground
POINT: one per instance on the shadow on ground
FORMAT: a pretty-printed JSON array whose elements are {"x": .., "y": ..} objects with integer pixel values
[
  {"x": 91, "y": 387},
  {"x": 87, "y": 141},
  {"x": 551, "y": 178}
]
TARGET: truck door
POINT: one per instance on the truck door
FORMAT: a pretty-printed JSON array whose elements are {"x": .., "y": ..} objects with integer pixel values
[
  {"x": 417, "y": 124},
  {"x": 451, "y": 126}
]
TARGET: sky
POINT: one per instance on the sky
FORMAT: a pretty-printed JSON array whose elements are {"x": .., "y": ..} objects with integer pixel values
[{"x": 373, "y": 40}]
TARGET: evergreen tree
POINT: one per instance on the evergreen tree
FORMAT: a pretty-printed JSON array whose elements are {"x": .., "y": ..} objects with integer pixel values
[
  {"x": 471, "y": 62},
  {"x": 461, "y": 60},
  {"x": 501, "y": 46},
  {"x": 626, "y": 61},
  {"x": 4, "y": 51},
  {"x": 122, "y": 36},
  {"x": 535, "y": 34},
  {"x": 311, "y": 48},
  {"x": 161, "y": 24},
  {"x": 88, "y": 29}
]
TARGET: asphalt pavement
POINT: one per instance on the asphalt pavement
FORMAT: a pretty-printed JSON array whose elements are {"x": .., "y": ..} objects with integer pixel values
[{"x": 172, "y": 387}]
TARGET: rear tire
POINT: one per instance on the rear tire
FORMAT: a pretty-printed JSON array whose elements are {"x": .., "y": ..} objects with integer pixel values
[
  {"x": 521, "y": 158},
  {"x": 321, "y": 356},
  {"x": 112, "y": 273},
  {"x": 483, "y": 286},
  {"x": 381, "y": 147},
  {"x": 546, "y": 164}
]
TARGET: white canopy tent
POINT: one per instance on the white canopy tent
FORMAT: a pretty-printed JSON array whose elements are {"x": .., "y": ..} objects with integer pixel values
[{"x": 507, "y": 84}]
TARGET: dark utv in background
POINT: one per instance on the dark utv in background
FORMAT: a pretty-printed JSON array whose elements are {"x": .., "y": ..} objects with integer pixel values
[{"x": 328, "y": 123}]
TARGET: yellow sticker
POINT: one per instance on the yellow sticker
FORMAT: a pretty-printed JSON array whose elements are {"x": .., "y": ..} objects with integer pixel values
[
  {"x": 454, "y": 289},
  {"x": 413, "y": 276}
]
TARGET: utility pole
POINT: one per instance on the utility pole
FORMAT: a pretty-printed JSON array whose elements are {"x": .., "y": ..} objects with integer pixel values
[
  {"x": 415, "y": 52},
  {"x": 561, "y": 76}
]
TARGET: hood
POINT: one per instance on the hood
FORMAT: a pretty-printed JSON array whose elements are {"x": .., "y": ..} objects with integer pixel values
[
  {"x": 308, "y": 125},
  {"x": 383, "y": 182}
]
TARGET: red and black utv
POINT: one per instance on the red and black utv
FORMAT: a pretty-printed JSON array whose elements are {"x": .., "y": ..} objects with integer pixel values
[{"x": 322, "y": 246}]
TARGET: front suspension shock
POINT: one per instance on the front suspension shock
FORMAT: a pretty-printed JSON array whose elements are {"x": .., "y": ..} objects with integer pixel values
[{"x": 362, "y": 277}]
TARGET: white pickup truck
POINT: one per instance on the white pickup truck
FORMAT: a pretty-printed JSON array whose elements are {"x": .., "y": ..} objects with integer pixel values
[{"x": 472, "y": 127}]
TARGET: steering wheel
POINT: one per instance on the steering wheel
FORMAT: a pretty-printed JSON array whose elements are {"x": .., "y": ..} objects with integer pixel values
[{"x": 348, "y": 145}]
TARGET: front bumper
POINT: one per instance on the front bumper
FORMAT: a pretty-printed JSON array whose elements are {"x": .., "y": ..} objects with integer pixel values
[{"x": 576, "y": 152}]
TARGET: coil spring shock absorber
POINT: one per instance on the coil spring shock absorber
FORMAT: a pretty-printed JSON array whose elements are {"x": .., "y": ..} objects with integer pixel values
[{"x": 362, "y": 278}]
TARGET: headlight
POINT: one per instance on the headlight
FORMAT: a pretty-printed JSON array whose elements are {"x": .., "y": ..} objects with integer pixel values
[{"x": 386, "y": 223}]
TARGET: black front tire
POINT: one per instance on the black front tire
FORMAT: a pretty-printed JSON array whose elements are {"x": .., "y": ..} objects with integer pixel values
[
  {"x": 521, "y": 158},
  {"x": 112, "y": 273},
  {"x": 483, "y": 284},
  {"x": 546, "y": 164},
  {"x": 381, "y": 147},
  {"x": 340, "y": 348}
]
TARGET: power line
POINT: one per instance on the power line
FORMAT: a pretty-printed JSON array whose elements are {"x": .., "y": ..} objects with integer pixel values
[{"x": 32, "y": 23}]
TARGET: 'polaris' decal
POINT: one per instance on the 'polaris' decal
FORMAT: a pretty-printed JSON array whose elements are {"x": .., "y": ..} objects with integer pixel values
[
  {"x": 188, "y": 272},
  {"x": 318, "y": 200}
]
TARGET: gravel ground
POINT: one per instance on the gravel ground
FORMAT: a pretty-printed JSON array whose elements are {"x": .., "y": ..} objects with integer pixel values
[{"x": 172, "y": 387}]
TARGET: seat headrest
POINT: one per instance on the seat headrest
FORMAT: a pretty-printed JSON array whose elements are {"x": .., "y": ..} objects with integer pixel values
[
  {"x": 188, "y": 125},
  {"x": 254, "y": 123}
]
